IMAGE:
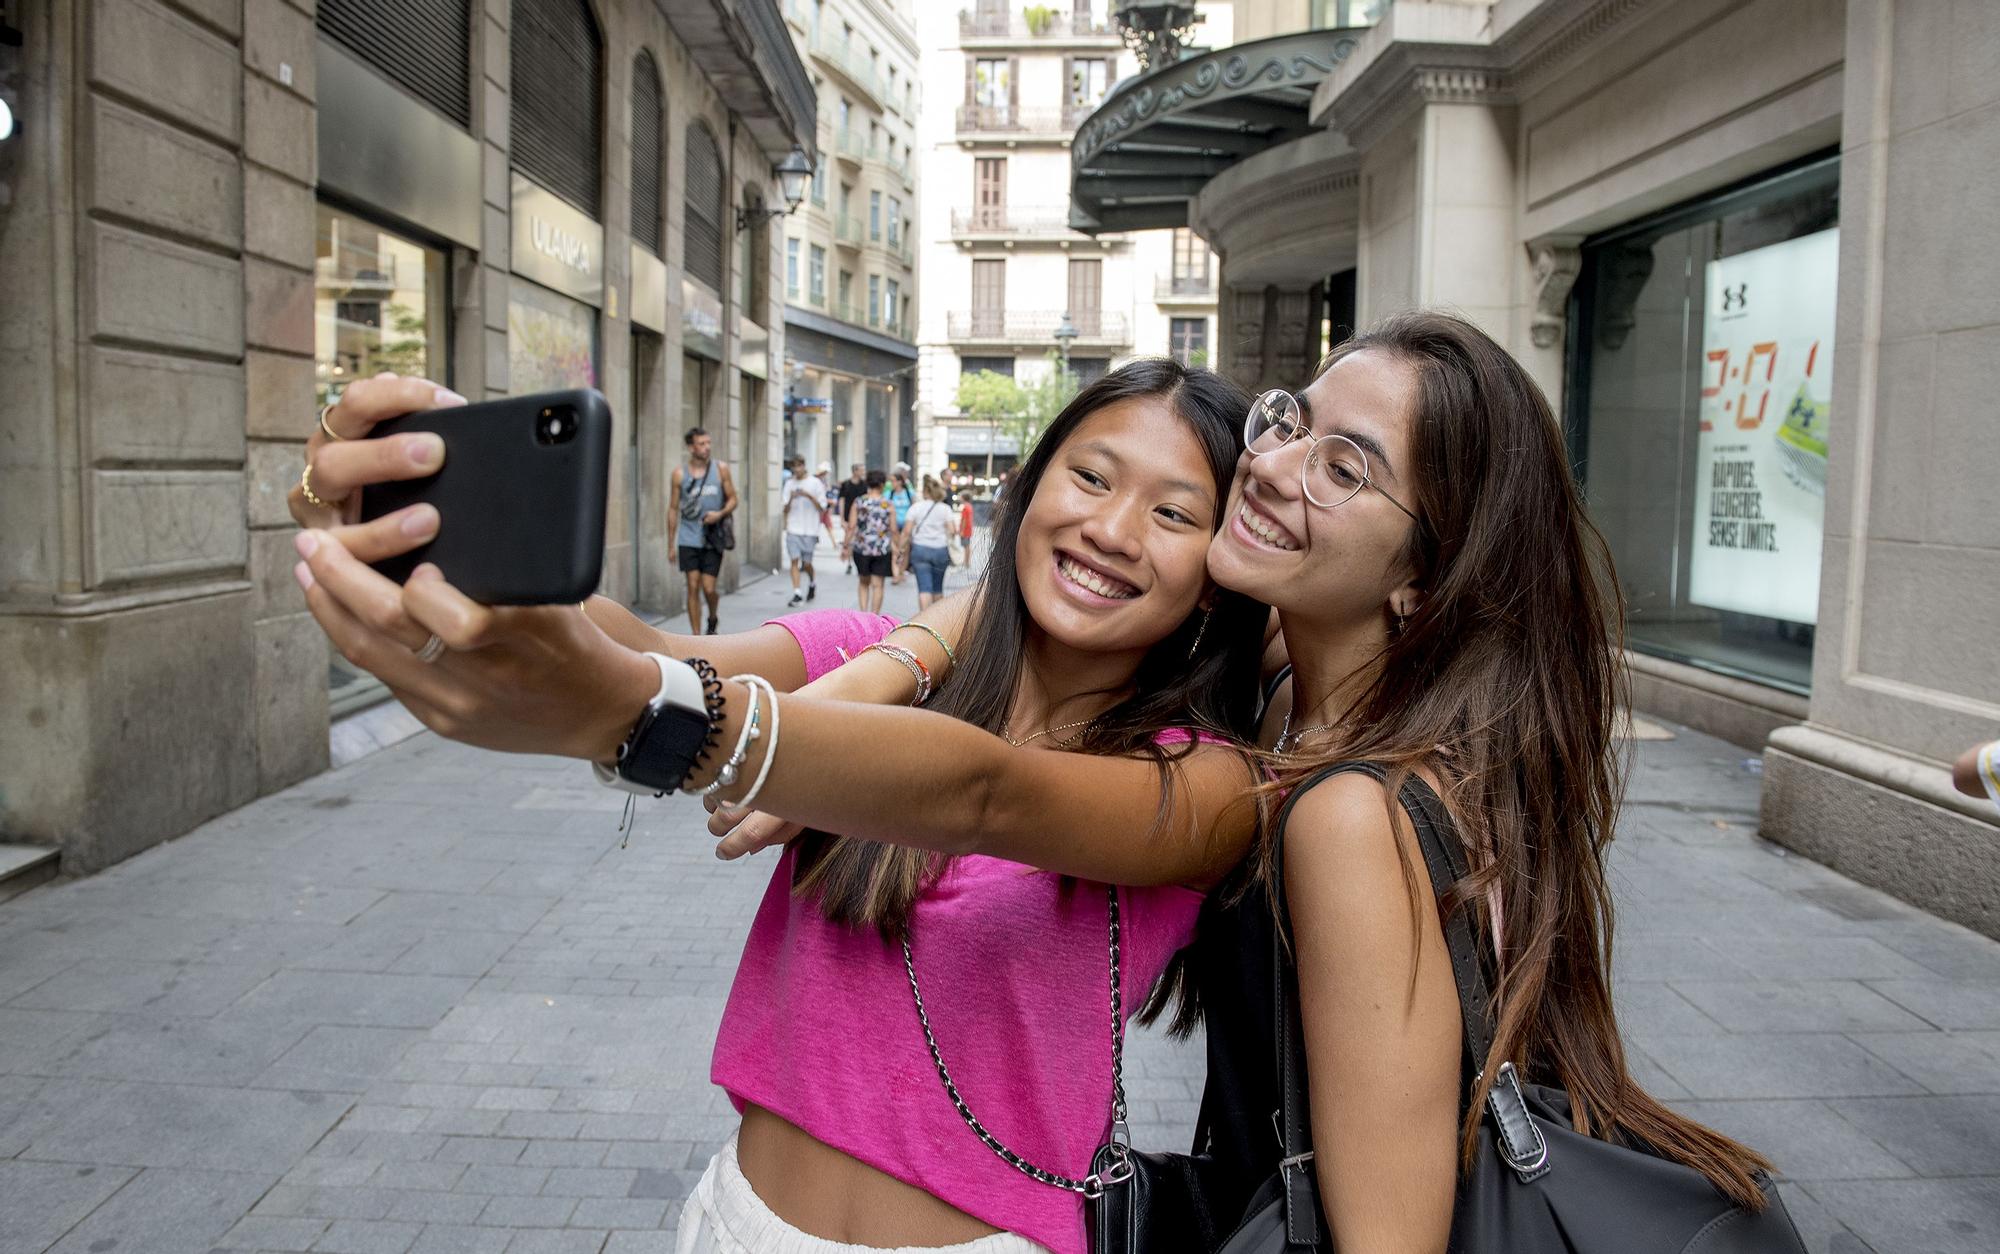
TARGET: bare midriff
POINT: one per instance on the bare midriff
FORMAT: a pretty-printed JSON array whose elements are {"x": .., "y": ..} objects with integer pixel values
[{"x": 819, "y": 1190}]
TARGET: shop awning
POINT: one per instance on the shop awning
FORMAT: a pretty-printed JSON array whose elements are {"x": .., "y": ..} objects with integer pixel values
[{"x": 1160, "y": 136}]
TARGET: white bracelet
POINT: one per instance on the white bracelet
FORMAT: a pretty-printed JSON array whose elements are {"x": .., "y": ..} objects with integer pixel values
[
  {"x": 732, "y": 767},
  {"x": 770, "y": 749}
]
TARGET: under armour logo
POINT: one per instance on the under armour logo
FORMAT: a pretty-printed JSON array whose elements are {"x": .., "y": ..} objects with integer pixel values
[{"x": 1735, "y": 297}]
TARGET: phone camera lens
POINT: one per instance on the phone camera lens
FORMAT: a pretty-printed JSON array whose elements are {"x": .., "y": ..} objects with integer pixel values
[{"x": 555, "y": 425}]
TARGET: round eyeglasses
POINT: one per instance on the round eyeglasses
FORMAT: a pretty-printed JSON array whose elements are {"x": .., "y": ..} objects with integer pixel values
[{"x": 1336, "y": 468}]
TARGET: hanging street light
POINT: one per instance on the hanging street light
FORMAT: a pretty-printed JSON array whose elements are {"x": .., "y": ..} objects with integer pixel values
[
  {"x": 1155, "y": 30},
  {"x": 793, "y": 173}
]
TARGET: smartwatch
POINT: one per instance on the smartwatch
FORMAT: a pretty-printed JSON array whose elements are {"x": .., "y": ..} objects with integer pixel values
[{"x": 662, "y": 746}]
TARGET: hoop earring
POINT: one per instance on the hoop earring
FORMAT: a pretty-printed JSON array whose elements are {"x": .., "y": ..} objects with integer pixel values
[{"x": 1200, "y": 632}]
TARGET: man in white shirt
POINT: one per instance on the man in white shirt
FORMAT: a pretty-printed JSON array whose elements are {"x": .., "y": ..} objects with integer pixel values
[{"x": 805, "y": 504}]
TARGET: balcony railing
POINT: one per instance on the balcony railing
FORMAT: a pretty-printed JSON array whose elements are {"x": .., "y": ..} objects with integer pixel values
[
  {"x": 1013, "y": 24},
  {"x": 1017, "y": 120},
  {"x": 847, "y": 229},
  {"x": 1183, "y": 287},
  {"x": 852, "y": 62},
  {"x": 1048, "y": 221},
  {"x": 850, "y": 145},
  {"x": 1015, "y": 326}
]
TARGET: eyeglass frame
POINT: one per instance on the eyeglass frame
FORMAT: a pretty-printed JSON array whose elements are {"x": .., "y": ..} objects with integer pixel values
[{"x": 1312, "y": 450}]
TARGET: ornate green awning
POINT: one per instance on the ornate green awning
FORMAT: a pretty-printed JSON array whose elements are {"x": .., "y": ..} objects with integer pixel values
[{"x": 1160, "y": 136}]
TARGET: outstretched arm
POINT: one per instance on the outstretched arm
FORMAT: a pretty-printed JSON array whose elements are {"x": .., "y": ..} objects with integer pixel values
[{"x": 548, "y": 680}]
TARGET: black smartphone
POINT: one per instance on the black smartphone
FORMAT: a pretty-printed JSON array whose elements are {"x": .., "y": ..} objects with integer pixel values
[{"x": 520, "y": 498}]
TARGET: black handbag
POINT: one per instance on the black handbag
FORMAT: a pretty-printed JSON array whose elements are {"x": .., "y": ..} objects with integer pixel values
[{"x": 1535, "y": 1186}]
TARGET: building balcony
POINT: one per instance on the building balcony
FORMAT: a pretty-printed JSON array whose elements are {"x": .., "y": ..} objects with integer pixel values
[
  {"x": 852, "y": 64},
  {"x": 1036, "y": 329},
  {"x": 1014, "y": 121},
  {"x": 847, "y": 230},
  {"x": 1184, "y": 289},
  {"x": 1013, "y": 27},
  {"x": 850, "y": 147},
  {"x": 1047, "y": 222}
]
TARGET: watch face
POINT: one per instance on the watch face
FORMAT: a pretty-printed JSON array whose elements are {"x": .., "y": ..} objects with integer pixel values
[{"x": 663, "y": 747}]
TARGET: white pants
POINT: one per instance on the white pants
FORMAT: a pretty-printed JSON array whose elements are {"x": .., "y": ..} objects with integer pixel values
[{"x": 725, "y": 1216}]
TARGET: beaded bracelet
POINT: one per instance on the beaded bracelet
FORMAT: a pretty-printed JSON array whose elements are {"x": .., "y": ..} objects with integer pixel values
[
  {"x": 915, "y": 664},
  {"x": 732, "y": 768},
  {"x": 935, "y": 634},
  {"x": 770, "y": 750}
]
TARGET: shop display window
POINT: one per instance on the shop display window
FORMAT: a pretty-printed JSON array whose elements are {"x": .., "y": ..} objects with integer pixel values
[{"x": 1700, "y": 400}]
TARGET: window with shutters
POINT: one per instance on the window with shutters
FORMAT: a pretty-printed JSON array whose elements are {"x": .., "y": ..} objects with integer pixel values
[
  {"x": 1190, "y": 273},
  {"x": 991, "y": 79},
  {"x": 423, "y": 46},
  {"x": 1086, "y": 295},
  {"x": 989, "y": 297},
  {"x": 1089, "y": 79},
  {"x": 1189, "y": 340},
  {"x": 556, "y": 61},
  {"x": 649, "y": 153},
  {"x": 991, "y": 365},
  {"x": 989, "y": 192},
  {"x": 703, "y": 229}
]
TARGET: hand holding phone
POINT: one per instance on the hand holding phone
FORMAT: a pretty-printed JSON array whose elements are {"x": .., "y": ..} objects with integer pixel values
[{"x": 521, "y": 497}]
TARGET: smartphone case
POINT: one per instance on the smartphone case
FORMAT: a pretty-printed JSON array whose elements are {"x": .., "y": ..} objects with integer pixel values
[{"x": 521, "y": 519}]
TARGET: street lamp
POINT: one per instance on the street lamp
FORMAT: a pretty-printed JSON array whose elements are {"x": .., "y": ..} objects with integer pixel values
[
  {"x": 1155, "y": 30},
  {"x": 792, "y": 172},
  {"x": 1066, "y": 334}
]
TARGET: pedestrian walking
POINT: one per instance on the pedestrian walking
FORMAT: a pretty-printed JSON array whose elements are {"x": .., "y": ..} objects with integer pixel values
[
  {"x": 902, "y": 496},
  {"x": 852, "y": 489},
  {"x": 874, "y": 542},
  {"x": 965, "y": 528},
  {"x": 926, "y": 538},
  {"x": 805, "y": 514},
  {"x": 702, "y": 496}
]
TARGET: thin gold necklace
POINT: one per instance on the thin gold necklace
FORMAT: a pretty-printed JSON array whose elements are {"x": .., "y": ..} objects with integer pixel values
[{"x": 1045, "y": 732}]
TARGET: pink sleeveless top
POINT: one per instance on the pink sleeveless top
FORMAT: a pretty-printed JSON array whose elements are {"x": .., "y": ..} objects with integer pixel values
[{"x": 821, "y": 1030}]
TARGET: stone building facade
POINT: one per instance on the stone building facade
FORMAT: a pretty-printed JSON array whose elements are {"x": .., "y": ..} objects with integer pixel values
[
  {"x": 850, "y": 251},
  {"x": 215, "y": 211},
  {"x": 1744, "y": 247}
]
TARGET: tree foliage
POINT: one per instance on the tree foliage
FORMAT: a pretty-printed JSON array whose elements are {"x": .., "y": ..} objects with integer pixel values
[{"x": 1022, "y": 410}]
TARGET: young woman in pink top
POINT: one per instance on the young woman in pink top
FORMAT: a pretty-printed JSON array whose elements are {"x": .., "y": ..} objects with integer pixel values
[{"x": 1099, "y": 666}]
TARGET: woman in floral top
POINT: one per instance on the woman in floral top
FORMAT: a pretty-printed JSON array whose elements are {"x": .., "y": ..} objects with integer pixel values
[{"x": 874, "y": 527}]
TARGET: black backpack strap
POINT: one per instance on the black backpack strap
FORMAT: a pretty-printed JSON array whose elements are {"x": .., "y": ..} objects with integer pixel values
[{"x": 1521, "y": 1143}]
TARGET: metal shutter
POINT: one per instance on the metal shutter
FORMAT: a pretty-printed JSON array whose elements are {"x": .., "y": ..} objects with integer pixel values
[
  {"x": 557, "y": 66},
  {"x": 704, "y": 207},
  {"x": 648, "y": 151},
  {"x": 424, "y": 46}
]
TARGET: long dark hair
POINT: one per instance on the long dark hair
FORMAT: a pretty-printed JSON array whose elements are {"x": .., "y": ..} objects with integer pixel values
[
  {"x": 1512, "y": 663},
  {"x": 1196, "y": 678}
]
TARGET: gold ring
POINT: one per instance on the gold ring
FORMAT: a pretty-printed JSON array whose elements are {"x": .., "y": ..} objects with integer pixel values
[
  {"x": 306, "y": 486},
  {"x": 325, "y": 430},
  {"x": 433, "y": 649}
]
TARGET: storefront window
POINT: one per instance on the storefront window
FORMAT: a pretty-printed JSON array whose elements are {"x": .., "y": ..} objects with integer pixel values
[
  {"x": 1700, "y": 407},
  {"x": 379, "y": 303},
  {"x": 551, "y": 340}
]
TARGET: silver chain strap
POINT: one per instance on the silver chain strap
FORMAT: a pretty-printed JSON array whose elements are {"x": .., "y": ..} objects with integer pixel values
[{"x": 1092, "y": 1185}]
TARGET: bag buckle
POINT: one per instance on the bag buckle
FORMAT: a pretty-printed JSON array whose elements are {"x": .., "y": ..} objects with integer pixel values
[{"x": 1529, "y": 1159}]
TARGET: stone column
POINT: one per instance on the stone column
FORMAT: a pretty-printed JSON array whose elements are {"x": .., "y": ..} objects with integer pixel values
[
  {"x": 1903, "y": 674},
  {"x": 150, "y": 682}
]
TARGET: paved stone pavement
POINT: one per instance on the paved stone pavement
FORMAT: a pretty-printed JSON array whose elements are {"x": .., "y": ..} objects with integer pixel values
[{"x": 427, "y": 1003}]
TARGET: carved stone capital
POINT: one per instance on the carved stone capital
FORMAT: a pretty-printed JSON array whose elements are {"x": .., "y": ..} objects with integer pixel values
[{"x": 1555, "y": 265}]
